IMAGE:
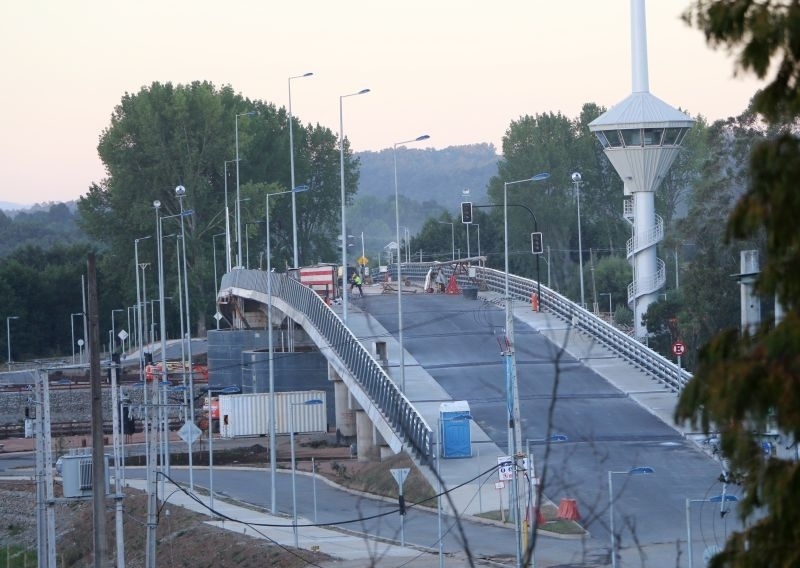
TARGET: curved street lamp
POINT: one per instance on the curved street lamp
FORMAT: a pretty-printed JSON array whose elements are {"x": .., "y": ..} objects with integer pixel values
[
  {"x": 399, "y": 263},
  {"x": 272, "y": 426},
  {"x": 344, "y": 202},
  {"x": 512, "y": 396},
  {"x": 576, "y": 179},
  {"x": 642, "y": 470},
  {"x": 291, "y": 166},
  {"x": 311, "y": 402},
  {"x": 238, "y": 207}
]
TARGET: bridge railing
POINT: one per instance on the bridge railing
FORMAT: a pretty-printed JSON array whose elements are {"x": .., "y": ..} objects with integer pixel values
[
  {"x": 519, "y": 288},
  {"x": 396, "y": 408}
]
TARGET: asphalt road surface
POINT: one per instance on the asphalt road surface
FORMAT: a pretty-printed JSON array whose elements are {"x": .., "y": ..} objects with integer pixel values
[{"x": 457, "y": 342}]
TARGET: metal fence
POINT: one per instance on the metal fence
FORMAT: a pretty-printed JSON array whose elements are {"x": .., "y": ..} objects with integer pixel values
[
  {"x": 395, "y": 407},
  {"x": 661, "y": 369}
]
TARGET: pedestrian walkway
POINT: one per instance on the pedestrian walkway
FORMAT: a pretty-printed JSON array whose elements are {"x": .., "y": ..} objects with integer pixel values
[{"x": 353, "y": 551}]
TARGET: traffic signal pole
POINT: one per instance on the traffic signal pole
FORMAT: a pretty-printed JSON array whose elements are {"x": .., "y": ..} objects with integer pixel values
[{"x": 536, "y": 230}]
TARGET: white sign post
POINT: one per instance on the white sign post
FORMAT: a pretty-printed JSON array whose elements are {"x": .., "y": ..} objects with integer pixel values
[{"x": 400, "y": 475}]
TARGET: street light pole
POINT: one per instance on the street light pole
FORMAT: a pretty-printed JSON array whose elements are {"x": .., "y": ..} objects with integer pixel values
[
  {"x": 291, "y": 163},
  {"x": 576, "y": 179},
  {"x": 344, "y": 202},
  {"x": 399, "y": 263},
  {"x": 310, "y": 402},
  {"x": 227, "y": 221},
  {"x": 8, "y": 337},
  {"x": 180, "y": 192},
  {"x": 512, "y": 396},
  {"x": 272, "y": 410},
  {"x": 72, "y": 329},
  {"x": 214, "y": 248},
  {"x": 643, "y": 470},
  {"x": 238, "y": 207}
]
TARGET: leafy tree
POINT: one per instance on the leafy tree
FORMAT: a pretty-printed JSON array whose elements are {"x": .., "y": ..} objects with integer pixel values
[
  {"x": 555, "y": 144},
  {"x": 709, "y": 294},
  {"x": 167, "y": 135},
  {"x": 746, "y": 382}
]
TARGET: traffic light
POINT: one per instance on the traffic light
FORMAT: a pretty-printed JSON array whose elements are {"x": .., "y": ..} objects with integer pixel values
[
  {"x": 536, "y": 243},
  {"x": 466, "y": 212}
]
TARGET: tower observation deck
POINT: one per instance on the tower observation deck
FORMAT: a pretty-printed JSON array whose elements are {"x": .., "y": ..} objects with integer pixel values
[{"x": 641, "y": 136}]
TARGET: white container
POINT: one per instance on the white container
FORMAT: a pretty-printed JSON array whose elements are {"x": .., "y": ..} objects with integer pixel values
[{"x": 248, "y": 414}]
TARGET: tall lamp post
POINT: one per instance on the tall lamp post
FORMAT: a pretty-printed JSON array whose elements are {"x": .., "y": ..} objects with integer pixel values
[
  {"x": 576, "y": 179},
  {"x": 8, "y": 337},
  {"x": 227, "y": 220},
  {"x": 214, "y": 249},
  {"x": 722, "y": 499},
  {"x": 72, "y": 329},
  {"x": 141, "y": 328},
  {"x": 643, "y": 470},
  {"x": 272, "y": 426},
  {"x": 399, "y": 263},
  {"x": 180, "y": 193},
  {"x": 479, "y": 237},
  {"x": 291, "y": 165},
  {"x": 238, "y": 208},
  {"x": 512, "y": 396},
  {"x": 310, "y": 402},
  {"x": 344, "y": 201}
]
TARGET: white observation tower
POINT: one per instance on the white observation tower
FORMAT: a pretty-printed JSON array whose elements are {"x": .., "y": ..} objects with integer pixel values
[{"x": 641, "y": 136}]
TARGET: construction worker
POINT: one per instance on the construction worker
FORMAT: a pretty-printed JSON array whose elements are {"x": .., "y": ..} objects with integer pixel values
[{"x": 357, "y": 282}]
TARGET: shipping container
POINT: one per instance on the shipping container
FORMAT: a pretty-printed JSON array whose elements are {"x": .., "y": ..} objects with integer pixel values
[{"x": 248, "y": 414}]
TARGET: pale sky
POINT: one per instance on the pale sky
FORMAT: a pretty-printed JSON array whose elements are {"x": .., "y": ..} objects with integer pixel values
[{"x": 459, "y": 71}]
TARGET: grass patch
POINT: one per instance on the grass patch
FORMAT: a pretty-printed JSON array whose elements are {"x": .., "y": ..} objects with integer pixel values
[{"x": 551, "y": 522}]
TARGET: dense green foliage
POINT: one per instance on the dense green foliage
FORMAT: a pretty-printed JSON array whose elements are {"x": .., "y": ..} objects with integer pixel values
[
  {"x": 42, "y": 288},
  {"x": 167, "y": 135},
  {"x": 747, "y": 384},
  {"x": 43, "y": 226}
]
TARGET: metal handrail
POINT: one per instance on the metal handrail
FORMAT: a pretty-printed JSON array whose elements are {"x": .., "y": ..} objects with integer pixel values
[
  {"x": 376, "y": 384},
  {"x": 661, "y": 369},
  {"x": 652, "y": 237}
]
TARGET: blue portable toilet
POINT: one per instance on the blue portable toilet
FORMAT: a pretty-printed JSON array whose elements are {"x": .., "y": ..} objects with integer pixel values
[{"x": 454, "y": 419}]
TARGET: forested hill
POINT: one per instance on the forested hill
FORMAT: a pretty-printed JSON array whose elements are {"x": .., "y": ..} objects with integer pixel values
[
  {"x": 426, "y": 174},
  {"x": 42, "y": 226}
]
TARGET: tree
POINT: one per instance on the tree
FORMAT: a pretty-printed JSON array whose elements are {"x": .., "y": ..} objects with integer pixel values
[
  {"x": 555, "y": 144},
  {"x": 167, "y": 135},
  {"x": 746, "y": 382}
]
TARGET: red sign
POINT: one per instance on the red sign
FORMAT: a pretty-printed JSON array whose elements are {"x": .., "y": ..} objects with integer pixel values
[{"x": 678, "y": 348}]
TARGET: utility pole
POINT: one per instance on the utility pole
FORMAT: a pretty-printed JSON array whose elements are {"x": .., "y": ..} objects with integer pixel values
[{"x": 98, "y": 470}]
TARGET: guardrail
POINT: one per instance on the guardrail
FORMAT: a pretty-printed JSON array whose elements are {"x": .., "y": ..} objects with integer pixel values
[
  {"x": 660, "y": 368},
  {"x": 395, "y": 407}
]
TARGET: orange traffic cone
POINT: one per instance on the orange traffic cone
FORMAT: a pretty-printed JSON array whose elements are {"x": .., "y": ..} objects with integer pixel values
[{"x": 535, "y": 302}]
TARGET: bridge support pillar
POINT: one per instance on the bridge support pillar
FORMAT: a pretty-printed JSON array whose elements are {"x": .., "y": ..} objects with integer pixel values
[
  {"x": 365, "y": 438},
  {"x": 345, "y": 415}
]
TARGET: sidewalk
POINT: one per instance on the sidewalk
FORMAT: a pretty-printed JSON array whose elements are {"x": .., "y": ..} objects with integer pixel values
[{"x": 352, "y": 551}]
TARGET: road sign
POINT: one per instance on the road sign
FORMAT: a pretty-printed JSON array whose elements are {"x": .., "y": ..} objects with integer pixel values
[
  {"x": 505, "y": 469},
  {"x": 123, "y": 335},
  {"x": 400, "y": 475},
  {"x": 189, "y": 432},
  {"x": 363, "y": 260},
  {"x": 678, "y": 348}
]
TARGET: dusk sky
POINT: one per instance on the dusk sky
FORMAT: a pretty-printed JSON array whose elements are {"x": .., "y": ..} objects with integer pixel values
[{"x": 460, "y": 71}]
